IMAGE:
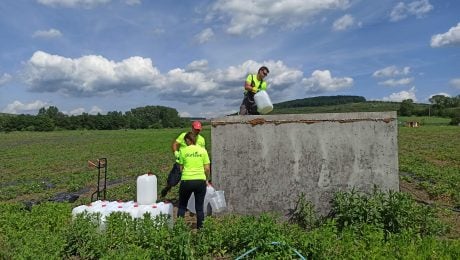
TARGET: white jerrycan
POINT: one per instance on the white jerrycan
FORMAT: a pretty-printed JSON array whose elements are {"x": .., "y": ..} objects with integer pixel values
[{"x": 146, "y": 189}]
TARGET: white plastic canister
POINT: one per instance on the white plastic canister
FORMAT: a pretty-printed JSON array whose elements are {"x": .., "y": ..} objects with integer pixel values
[
  {"x": 146, "y": 189},
  {"x": 263, "y": 102}
]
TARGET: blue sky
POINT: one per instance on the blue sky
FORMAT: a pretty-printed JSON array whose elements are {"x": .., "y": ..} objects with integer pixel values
[{"x": 96, "y": 56}]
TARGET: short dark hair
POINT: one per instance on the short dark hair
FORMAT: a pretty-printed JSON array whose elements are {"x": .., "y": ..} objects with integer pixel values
[
  {"x": 264, "y": 68},
  {"x": 191, "y": 137}
]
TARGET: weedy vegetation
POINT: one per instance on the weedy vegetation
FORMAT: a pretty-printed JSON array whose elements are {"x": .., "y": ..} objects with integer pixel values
[{"x": 38, "y": 165}]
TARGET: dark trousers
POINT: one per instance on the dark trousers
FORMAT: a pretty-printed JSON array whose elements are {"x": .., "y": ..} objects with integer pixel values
[
  {"x": 248, "y": 106},
  {"x": 198, "y": 188}
]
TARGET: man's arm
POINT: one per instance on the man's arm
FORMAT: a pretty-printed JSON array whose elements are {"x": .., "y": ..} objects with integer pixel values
[
  {"x": 248, "y": 87},
  {"x": 175, "y": 149},
  {"x": 175, "y": 146}
]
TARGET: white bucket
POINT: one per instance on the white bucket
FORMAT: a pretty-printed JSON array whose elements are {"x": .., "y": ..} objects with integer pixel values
[
  {"x": 263, "y": 102},
  {"x": 146, "y": 189},
  {"x": 218, "y": 203},
  {"x": 210, "y": 192}
]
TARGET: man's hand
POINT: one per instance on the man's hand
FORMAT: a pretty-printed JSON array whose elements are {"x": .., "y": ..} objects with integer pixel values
[{"x": 254, "y": 90}]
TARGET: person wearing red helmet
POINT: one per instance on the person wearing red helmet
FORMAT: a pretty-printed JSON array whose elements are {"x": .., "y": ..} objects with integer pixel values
[{"x": 177, "y": 144}]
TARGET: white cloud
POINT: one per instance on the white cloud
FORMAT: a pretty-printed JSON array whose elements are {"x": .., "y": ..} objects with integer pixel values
[
  {"x": 87, "y": 75},
  {"x": 74, "y": 3},
  {"x": 196, "y": 84},
  {"x": 455, "y": 83},
  {"x": 253, "y": 17},
  {"x": 204, "y": 36},
  {"x": 416, "y": 8},
  {"x": 133, "y": 2},
  {"x": 5, "y": 78},
  {"x": 397, "y": 82},
  {"x": 451, "y": 37},
  {"x": 51, "y": 33},
  {"x": 400, "y": 96},
  {"x": 343, "y": 23},
  {"x": 391, "y": 71},
  {"x": 95, "y": 110},
  {"x": 198, "y": 65},
  {"x": 184, "y": 114},
  {"x": 18, "y": 107},
  {"x": 77, "y": 111},
  {"x": 322, "y": 81}
]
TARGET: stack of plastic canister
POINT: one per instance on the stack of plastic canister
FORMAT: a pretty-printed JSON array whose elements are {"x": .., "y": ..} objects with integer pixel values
[
  {"x": 135, "y": 210},
  {"x": 145, "y": 206}
]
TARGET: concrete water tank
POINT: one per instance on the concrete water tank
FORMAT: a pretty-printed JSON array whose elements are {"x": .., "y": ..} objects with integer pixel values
[{"x": 263, "y": 163}]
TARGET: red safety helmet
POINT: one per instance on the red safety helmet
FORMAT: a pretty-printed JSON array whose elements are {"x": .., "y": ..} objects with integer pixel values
[{"x": 196, "y": 125}]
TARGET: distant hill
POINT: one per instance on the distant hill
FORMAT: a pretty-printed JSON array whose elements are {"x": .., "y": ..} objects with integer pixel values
[
  {"x": 338, "y": 104},
  {"x": 319, "y": 101}
]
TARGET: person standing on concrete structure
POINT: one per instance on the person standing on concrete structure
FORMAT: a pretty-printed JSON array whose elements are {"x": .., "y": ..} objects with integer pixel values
[
  {"x": 194, "y": 164},
  {"x": 179, "y": 143},
  {"x": 254, "y": 83}
]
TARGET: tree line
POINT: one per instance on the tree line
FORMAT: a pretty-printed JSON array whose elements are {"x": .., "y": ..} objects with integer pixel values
[
  {"x": 49, "y": 119},
  {"x": 440, "y": 105}
]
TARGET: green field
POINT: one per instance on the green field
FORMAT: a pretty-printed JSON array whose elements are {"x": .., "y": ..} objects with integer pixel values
[{"x": 35, "y": 166}]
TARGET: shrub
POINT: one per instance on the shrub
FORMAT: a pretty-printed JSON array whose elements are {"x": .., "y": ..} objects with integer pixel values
[{"x": 394, "y": 212}]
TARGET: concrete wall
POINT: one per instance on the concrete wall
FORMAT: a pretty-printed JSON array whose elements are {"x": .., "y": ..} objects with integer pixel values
[{"x": 263, "y": 163}]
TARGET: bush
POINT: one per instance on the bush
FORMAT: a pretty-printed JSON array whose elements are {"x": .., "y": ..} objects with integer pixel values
[{"x": 394, "y": 212}]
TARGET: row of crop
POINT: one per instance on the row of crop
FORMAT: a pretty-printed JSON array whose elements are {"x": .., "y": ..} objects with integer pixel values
[
  {"x": 430, "y": 155},
  {"x": 379, "y": 226}
]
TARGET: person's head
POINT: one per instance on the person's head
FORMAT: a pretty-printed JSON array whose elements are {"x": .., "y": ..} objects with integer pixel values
[
  {"x": 196, "y": 127},
  {"x": 263, "y": 72},
  {"x": 190, "y": 138}
]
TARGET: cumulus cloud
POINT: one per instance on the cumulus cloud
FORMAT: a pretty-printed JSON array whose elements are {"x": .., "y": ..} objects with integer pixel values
[
  {"x": 416, "y": 8},
  {"x": 198, "y": 65},
  {"x": 80, "y": 110},
  {"x": 400, "y": 96},
  {"x": 322, "y": 81},
  {"x": 74, "y": 3},
  {"x": 195, "y": 84},
  {"x": 51, "y": 33},
  {"x": 343, "y": 23},
  {"x": 76, "y": 111},
  {"x": 397, "y": 82},
  {"x": 95, "y": 110},
  {"x": 253, "y": 17},
  {"x": 17, "y": 107},
  {"x": 5, "y": 78},
  {"x": 391, "y": 71},
  {"x": 455, "y": 83},
  {"x": 87, "y": 75},
  {"x": 451, "y": 37},
  {"x": 204, "y": 36},
  {"x": 133, "y": 2}
]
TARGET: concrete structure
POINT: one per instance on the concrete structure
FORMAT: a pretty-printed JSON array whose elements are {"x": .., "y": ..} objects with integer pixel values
[{"x": 263, "y": 163}]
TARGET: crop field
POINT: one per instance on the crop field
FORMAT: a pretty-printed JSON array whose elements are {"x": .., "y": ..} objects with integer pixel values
[{"x": 34, "y": 167}]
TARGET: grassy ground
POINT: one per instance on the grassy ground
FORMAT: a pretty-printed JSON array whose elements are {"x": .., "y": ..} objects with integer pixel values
[
  {"x": 430, "y": 156},
  {"x": 36, "y": 166}
]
